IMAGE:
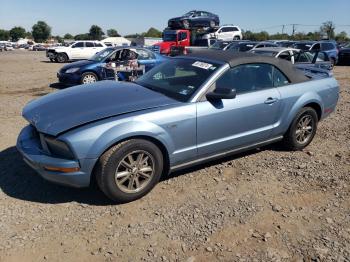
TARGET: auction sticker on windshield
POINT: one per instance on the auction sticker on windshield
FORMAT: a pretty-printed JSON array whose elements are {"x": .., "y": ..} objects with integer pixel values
[{"x": 203, "y": 65}]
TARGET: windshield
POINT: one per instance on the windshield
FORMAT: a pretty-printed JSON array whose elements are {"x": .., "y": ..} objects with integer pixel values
[
  {"x": 169, "y": 36},
  {"x": 178, "y": 78},
  {"x": 98, "y": 57},
  {"x": 240, "y": 47},
  {"x": 189, "y": 13}
]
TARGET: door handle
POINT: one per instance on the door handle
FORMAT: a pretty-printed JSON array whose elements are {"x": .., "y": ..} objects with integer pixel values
[{"x": 271, "y": 100}]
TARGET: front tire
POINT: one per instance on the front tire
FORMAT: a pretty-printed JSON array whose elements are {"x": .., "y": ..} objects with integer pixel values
[
  {"x": 212, "y": 24},
  {"x": 62, "y": 58},
  {"x": 88, "y": 78},
  {"x": 129, "y": 170},
  {"x": 302, "y": 130}
]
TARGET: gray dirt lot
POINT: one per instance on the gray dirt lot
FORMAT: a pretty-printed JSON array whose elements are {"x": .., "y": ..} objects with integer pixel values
[{"x": 264, "y": 205}]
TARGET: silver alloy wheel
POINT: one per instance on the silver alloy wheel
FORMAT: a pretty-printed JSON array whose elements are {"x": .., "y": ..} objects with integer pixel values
[
  {"x": 88, "y": 79},
  {"x": 135, "y": 171},
  {"x": 304, "y": 129}
]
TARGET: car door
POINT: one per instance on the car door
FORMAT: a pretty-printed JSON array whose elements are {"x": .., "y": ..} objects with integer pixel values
[
  {"x": 109, "y": 73},
  {"x": 247, "y": 119},
  {"x": 90, "y": 50},
  {"x": 77, "y": 51}
]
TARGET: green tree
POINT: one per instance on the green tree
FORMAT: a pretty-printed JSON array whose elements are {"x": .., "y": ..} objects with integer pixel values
[
  {"x": 29, "y": 35},
  {"x": 82, "y": 37},
  {"x": 112, "y": 33},
  {"x": 96, "y": 32},
  {"x": 17, "y": 32},
  {"x": 249, "y": 35},
  {"x": 59, "y": 39},
  {"x": 328, "y": 28},
  {"x": 152, "y": 32},
  {"x": 4, "y": 35},
  {"x": 133, "y": 36},
  {"x": 41, "y": 31},
  {"x": 279, "y": 36},
  {"x": 342, "y": 37},
  {"x": 262, "y": 36},
  {"x": 68, "y": 36}
]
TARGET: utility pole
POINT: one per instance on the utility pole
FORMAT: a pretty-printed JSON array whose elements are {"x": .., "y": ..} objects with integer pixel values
[
  {"x": 283, "y": 29},
  {"x": 293, "y": 31}
]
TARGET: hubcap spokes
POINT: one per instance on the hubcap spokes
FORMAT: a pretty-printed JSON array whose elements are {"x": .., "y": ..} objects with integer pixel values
[
  {"x": 304, "y": 129},
  {"x": 135, "y": 171},
  {"x": 89, "y": 79}
]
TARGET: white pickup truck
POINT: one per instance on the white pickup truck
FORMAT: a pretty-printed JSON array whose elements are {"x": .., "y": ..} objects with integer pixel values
[{"x": 76, "y": 51}]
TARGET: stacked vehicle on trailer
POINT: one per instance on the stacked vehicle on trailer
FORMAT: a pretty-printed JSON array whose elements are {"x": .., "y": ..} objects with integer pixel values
[{"x": 195, "y": 29}]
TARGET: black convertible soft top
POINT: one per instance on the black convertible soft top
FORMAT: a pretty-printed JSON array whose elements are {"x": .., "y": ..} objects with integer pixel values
[{"x": 233, "y": 59}]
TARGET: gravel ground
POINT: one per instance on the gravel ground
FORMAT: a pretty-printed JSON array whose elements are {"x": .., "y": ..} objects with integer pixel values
[{"x": 264, "y": 205}]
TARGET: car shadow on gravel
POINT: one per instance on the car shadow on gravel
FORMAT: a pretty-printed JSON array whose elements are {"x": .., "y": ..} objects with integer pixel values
[
  {"x": 58, "y": 85},
  {"x": 19, "y": 181}
]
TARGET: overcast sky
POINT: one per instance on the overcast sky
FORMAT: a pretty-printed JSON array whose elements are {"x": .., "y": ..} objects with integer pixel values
[{"x": 76, "y": 16}]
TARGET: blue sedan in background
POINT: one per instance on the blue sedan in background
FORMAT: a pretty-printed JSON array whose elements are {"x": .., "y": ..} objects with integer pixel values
[{"x": 95, "y": 69}]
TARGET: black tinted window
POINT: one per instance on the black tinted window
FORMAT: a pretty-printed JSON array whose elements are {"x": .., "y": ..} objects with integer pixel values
[
  {"x": 285, "y": 55},
  {"x": 182, "y": 36},
  {"x": 247, "y": 78},
  {"x": 99, "y": 45},
  {"x": 227, "y": 29},
  {"x": 79, "y": 44},
  {"x": 316, "y": 47},
  {"x": 89, "y": 44},
  {"x": 327, "y": 46}
]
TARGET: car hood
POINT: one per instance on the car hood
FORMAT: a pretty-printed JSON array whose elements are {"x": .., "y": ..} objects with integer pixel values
[
  {"x": 58, "y": 112},
  {"x": 79, "y": 64}
]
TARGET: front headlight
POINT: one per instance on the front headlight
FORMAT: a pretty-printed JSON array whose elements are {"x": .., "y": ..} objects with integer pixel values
[
  {"x": 72, "y": 70},
  {"x": 58, "y": 148}
]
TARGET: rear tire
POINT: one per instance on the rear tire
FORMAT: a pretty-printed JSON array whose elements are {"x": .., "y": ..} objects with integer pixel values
[
  {"x": 129, "y": 170},
  {"x": 62, "y": 58},
  {"x": 302, "y": 130},
  {"x": 236, "y": 38}
]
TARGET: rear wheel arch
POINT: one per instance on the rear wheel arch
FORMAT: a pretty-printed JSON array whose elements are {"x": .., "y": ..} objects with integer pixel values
[
  {"x": 91, "y": 71},
  {"x": 316, "y": 107}
]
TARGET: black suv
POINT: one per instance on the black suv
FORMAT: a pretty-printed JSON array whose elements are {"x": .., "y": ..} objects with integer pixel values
[{"x": 194, "y": 19}]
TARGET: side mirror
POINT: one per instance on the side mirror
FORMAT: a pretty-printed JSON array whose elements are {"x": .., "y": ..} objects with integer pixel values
[{"x": 222, "y": 93}]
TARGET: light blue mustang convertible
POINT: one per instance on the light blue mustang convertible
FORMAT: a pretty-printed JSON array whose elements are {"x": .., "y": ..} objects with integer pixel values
[{"x": 183, "y": 112}]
